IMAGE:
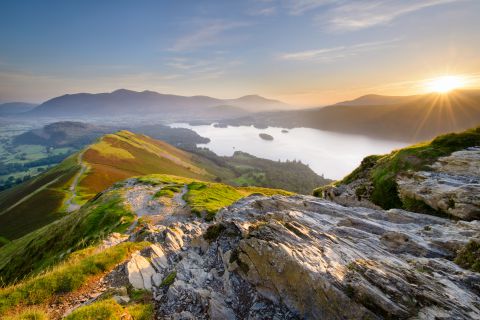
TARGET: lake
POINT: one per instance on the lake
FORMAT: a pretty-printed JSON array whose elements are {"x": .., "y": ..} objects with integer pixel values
[{"x": 332, "y": 154}]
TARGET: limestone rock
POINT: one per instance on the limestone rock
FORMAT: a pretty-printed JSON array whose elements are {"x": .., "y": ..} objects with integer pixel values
[
  {"x": 326, "y": 261},
  {"x": 140, "y": 272},
  {"x": 452, "y": 186}
]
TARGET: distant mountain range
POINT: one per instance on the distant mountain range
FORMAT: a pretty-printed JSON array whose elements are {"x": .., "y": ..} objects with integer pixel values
[
  {"x": 410, "y": 118},
  {"x": 12, "y": 108},
  {"x": 126, "y": 102}
]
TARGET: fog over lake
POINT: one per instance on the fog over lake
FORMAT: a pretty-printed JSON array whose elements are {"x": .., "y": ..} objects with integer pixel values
[{"x": 332, "y": 154}]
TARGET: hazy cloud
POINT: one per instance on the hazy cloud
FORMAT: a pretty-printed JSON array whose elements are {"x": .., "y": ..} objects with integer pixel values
[
  {"x": 334, "y": 53},
  {"x": 266, "y": 11},
  {"x": 356, "y": 15},
  {"x": 206, "y": 35},
  {"x": 298, "y": 7}
]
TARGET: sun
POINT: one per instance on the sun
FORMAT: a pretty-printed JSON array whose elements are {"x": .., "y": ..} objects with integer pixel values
[{"x": 445, "y": 84}]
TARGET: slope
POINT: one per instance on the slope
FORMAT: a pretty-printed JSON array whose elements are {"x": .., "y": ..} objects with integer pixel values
[
  {"x": 115, "y": 210},
  {"x": 112, "y": 158}
]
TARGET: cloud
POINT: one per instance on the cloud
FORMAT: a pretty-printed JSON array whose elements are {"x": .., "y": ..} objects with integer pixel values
[
  {"x": 334, "y": 53},
  {"x": 266, "y": 11},
  {"x": 298, "y": 7},
  {"x": 201, "y": 69},
  {"x": 208, "y": 34},
  {"x": 355, "y": 15}
]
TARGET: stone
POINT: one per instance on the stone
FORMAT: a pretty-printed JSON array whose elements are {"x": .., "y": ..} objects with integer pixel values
[
  {"x": 452, "y": 186},
  {"x": 140, "y": 272}
]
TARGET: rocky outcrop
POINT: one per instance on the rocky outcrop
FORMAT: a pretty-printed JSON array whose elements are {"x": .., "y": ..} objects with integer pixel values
[
  {"x": 302, "y": 257},
  {"x": 452, "y": 186}
]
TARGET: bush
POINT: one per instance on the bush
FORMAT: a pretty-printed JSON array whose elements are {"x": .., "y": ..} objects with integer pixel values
[{"x": 469, "y": 256}]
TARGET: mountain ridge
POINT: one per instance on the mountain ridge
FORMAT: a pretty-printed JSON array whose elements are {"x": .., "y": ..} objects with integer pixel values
[{"x": 147, "y": 102}]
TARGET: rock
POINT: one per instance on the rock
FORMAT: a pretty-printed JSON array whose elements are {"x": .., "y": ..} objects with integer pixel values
[
  {"x": 140, "y": 272},
  {"x": 265, "y": 136},
  {"x": 300, "y": 251},
  {"x": 452, "y": 186},
  {"x": 123, "y": 300}
]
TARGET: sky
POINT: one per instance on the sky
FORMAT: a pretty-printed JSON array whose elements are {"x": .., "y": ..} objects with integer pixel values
[{"x": 303, "y": 52}]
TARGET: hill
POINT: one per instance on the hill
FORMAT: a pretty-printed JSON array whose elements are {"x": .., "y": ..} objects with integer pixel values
[
  {"x": 375, "y": 99},
  {"x": 419, "y": 118},
  {"x": 14, "y": 108},
  {"x": 126, "y": 102},
  {"x": 440, "y": 177},
  {"x": 63, "y": 133},
  {"x": 115, "y": 157}
]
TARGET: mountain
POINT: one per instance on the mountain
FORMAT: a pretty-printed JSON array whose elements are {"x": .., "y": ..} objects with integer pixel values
[
  {"x": 126, "y": 102},
  {"x": 419, "y": 118},
  {"x": 63, "y": 133},
  {"x": 115, "y": 157},
  {"x": 375, "y": 99},
  {"x": 439, "y": 177},
  {"x": 14, "y": 108}
]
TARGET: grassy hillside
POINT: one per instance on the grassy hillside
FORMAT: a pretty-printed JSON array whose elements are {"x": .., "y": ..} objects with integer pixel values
[
  {"x": 36, "y": 202},
  {"x": 114, "y": 157},
  {"x": 378, "y": 172},
  {"x": 124, "y": 154},
  {"x": 104, "y": 214}
]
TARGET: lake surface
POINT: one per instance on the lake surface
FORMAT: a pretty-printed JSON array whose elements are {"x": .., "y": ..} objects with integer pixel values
[{"x": 332, "y": 154}]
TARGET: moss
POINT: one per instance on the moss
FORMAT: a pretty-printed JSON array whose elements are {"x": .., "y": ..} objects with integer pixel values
[
  {"x": 419, "y": 206},
  {"x": 469, "y": 256},
  {"x": 168, "y": 191},
  {"x": 139, "y": 295},
  {"x": 213, "y": 232},
  {"x": 169, "y": 279}
]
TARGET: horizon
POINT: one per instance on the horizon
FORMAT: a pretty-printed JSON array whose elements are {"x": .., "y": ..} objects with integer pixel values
[
  {"x": 304, "y": 53},
  {"x": 299, "y": 107}
]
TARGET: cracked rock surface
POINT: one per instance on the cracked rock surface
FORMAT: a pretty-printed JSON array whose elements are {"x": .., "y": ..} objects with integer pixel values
[
  {"x": 452, "y": 186},
  {"x": 302, "y": 257}
]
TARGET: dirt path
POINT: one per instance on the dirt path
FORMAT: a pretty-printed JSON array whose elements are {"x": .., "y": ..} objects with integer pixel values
[
  {"x": 70, "y": 205},
  {"x": 30, "y": 195}
]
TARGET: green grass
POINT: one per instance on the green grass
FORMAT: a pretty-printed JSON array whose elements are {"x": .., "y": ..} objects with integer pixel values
[
  {"x": 28, "y": 314},
  {"x": 102, "y": 310},
  {"x": 53, "y": 242},
  {"x": 469, "y": 256},
  {"x": 208, "y": 198},
  {"x": 169, "y": 279},
  {"x": 168, "y": 191},
  {"x": 66, "y": 277},
  {"x": 381, "y": 171},
  {"x": 111, "y": 310}
]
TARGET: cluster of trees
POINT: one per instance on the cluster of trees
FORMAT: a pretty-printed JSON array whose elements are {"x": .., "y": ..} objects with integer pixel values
[
  {"x": 8, "y": 168},
  {"x": 12, "y": 181},
  {"x": 249, "y": 170}
]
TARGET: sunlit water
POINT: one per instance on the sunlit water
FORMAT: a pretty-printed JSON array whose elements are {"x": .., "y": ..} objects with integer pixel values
[{"x": 332, "y": 154}]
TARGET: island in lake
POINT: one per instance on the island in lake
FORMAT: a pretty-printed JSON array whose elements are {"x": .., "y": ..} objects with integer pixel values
[{"x": 265, "y": 136}]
